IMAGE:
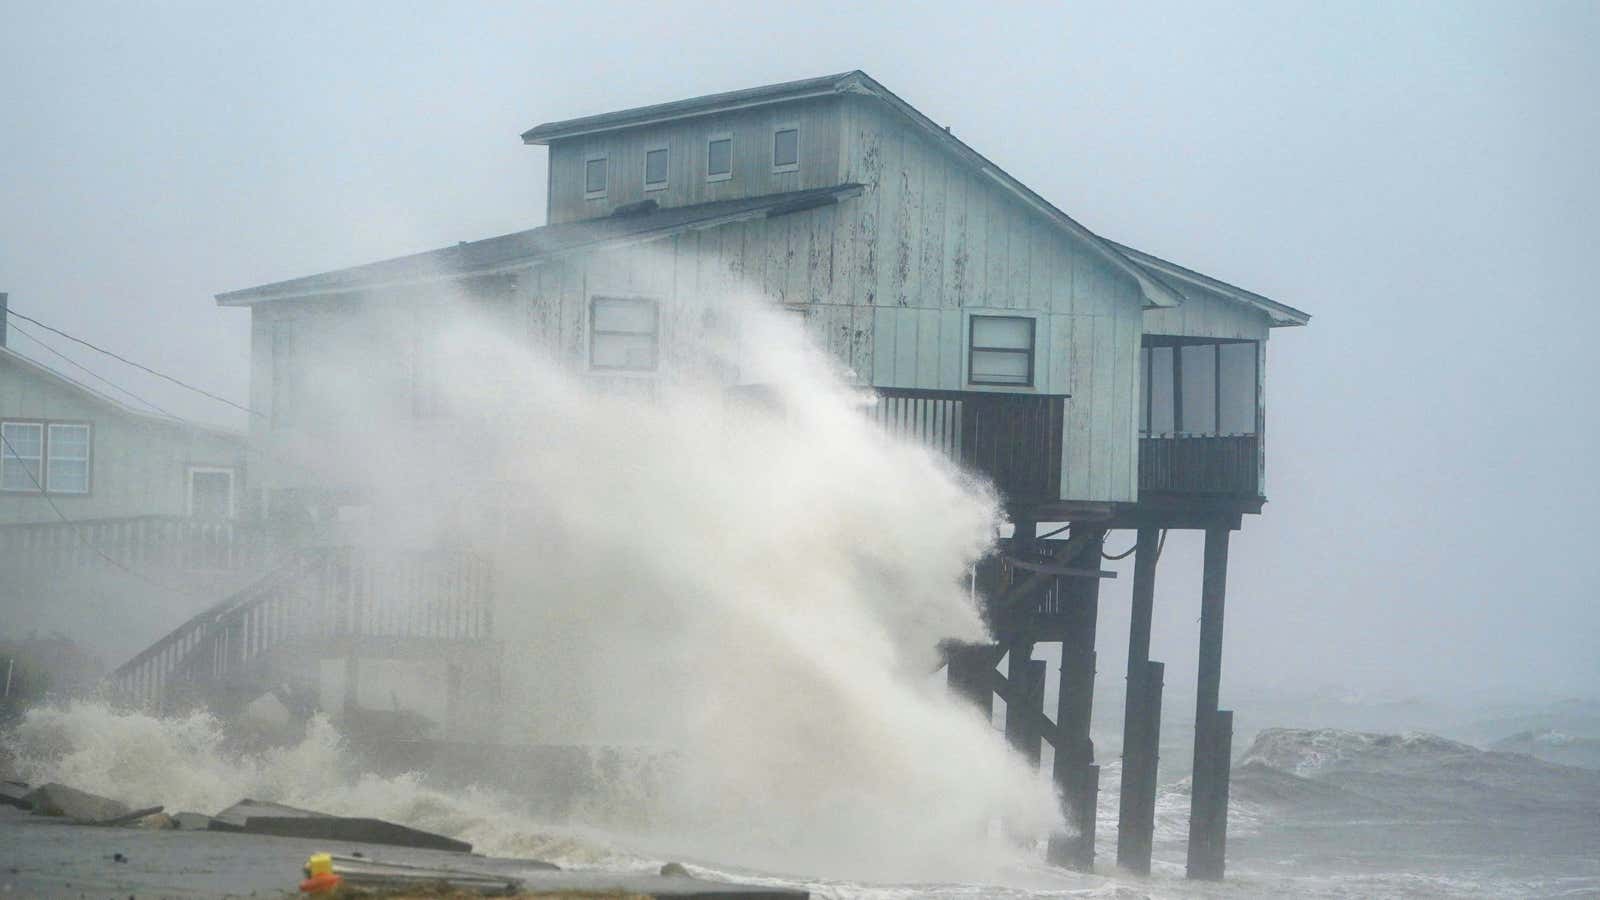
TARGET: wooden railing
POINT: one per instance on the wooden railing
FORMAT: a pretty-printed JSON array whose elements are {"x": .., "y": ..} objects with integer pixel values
[
  {"x": 151, "y": 541},
  {"x": 321, "y": 593},
  {"x": 1012, "y": 439},
  {"x": 1219, "y": 465}
]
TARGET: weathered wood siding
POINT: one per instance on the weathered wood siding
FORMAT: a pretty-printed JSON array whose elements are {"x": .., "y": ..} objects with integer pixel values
[
  {"x": 138, "y": 466},
  {"x": 933, "y": 242},
  {"x": 751, "y": 130},
  {"x": 1207, "y": 314}
]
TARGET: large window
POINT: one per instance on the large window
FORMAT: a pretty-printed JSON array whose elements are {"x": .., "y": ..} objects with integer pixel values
[
  {"x": 623, "y": 334},
  {"x": 1198, "y": 388},
  {"x": 49, "y": 456},
  {"x": 1000, "y": 350}
]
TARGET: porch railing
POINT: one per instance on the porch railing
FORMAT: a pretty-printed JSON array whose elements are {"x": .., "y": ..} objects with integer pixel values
[
  {"x": 1218, "y": 465},
  {"x": 329, "y": 592},
  {"x": 1012, "y": 439},
  {"x": 152, "y": 541}
]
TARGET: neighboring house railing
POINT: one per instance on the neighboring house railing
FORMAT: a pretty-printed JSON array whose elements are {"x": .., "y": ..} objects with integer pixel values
[
  {"x": 1218, "y": 465},
  {"x": 326, "y": 593},
  {"x": 1013, "y": 439},
  {"x": 150, "y": 541}
]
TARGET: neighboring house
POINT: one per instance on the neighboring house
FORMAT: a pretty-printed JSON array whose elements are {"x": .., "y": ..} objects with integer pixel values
[
  {"x": 1093, "y": 383},
  {"x": 115, "y": 523},
  {"x": 72, "y": 452}
]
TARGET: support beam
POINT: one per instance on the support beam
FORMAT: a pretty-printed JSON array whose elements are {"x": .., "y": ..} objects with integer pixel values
[
  {"x": 1076, "y": 775},
  {"x": 971, "y": 674},
  {"x": 1208, "y": 803},
  {"x": 1140, "y": 728}
]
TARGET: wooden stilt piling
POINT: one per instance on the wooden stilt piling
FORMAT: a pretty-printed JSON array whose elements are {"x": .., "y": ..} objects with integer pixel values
[
  {"x": 1208, "y": 803},
  {"x": 1076, "y": 775},
  {"x": 1140, "y": 729}
]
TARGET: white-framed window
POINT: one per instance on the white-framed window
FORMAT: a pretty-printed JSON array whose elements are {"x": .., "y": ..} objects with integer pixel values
[
  {"x": 1000, "y": 350},
  {"x": 657, "y": 166},
  {"x": 624, "y": 333},
  {"x": 786, "y": 148},
  {"x": 595, "y": 175},
  {"x": 211, "y": 492},
  {"x": 68, "y": 451},
  {"x": 22, "y": 456},
  {"x": 53, "y": 457},
  {"x": 719, "y": 157}
]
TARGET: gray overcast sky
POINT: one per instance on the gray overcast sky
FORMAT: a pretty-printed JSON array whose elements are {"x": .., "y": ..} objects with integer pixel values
[{"x": 1421, "y": 177}]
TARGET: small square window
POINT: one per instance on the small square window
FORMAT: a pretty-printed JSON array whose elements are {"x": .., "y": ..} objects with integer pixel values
[
  {"x": 719, "y": 158},
  {"x": 786, "y": 150},
  {"x": 594, "y": 177},
  {"x": 1000, "y": 350},
  {"x": 655, "y": 168}
]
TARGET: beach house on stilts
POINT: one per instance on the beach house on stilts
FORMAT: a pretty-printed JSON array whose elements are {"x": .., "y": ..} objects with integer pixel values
[{"x": 1095, "y": 384}]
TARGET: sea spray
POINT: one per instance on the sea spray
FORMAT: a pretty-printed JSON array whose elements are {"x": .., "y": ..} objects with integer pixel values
[{"x": 754, "y": 579}]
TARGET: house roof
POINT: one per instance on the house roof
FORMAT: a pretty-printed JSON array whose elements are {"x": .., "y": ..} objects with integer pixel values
[
  {"x": 34, "y": 367},
  {"x": 522, "y": 247},
  {"x": 1156, "y": 291},
  {"x": 1278, "y": 314}
]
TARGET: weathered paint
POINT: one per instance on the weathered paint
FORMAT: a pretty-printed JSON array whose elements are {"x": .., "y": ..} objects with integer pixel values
[
  {"x": 139, "y": 465},
  {"x": 1207, "y": 314}
]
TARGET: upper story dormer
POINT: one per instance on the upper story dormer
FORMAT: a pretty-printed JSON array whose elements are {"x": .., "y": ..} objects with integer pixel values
[{"x": 750, "y": 143}]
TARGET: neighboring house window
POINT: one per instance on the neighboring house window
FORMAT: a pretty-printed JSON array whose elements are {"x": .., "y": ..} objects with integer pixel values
[
  {"x": 1000, "y": 350},
  {"x": 655, "y": 168},
  {"x": 623, "y": 333},
  {"x": 21, "y": 456},
  {"x": 211, "y": 493},
  {"x": 786, "y": 150},
  {"x": 49, "y": 456},
  {"x": 1198, "y": 387},
  {"x": 594, "y": 177},
  {"x": 719, "y": 157},
  {"x": 68, "y": 450}
]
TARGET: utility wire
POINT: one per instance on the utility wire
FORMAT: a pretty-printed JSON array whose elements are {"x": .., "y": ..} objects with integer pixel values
[
  {"x": 10, "y": 451},
  {"x": 102, "y": 379},
  {"x": 140, "y": 367}
]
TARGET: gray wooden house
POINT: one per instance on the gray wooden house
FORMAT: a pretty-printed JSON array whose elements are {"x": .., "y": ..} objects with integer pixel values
[{"x": 1094, "y": 383}]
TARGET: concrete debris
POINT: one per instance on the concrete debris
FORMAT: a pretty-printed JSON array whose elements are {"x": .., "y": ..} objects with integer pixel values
[
  {"x": 12, "y": 793},
  {"x": 341, "y": 828},
  {"x": 80, "y": 806},
  {"x": 191, "y": 821},
  {"x": 234, "y": 817}
]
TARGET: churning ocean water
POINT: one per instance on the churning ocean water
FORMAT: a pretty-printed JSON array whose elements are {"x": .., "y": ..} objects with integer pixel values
[{"x": 1315, "y": 813}]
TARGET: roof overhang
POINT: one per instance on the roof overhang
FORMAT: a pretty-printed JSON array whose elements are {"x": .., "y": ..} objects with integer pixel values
[
  {"x": 1278, "y": 314},
  {"x": 34, "y": 367},
  {"x": 448, "y": 267}
]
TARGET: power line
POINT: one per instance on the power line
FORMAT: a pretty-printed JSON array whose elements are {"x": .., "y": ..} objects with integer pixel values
[
  {"x": 140, "y": 367},
  {"x": 106, "y": 381}
]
